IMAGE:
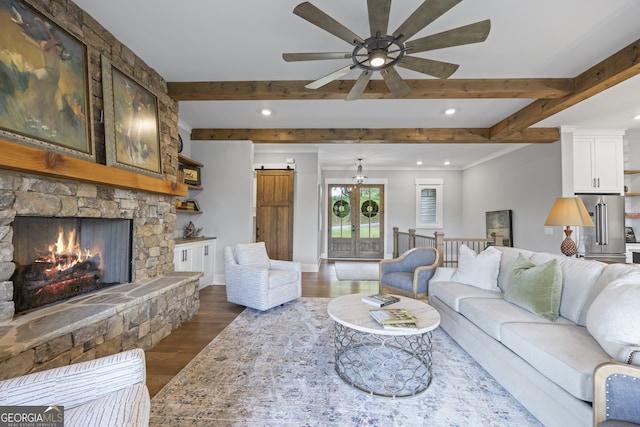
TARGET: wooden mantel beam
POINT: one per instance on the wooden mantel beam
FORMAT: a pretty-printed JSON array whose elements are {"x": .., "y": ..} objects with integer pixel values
[
  {"x": 21, "y": 158},
  {"x": 422, "y": 136},
  {"x": 420, "y": 89},
  {"x": 609, "y": 72}
]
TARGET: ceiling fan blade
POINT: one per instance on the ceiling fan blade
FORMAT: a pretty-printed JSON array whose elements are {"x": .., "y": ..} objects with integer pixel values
[
  {"x": 317, "y": 17},
  {"x": 394, "y": 82},
  {"x": 290, "y": 57},
  {"x": 425, "y": 14},
  {"x": 359, "y": 86},
  {"x": 329, "y": 78},
  {"x": 439, "y": 69},
  {"x": 472, "y": 33},
  {"x": 379, "y": 16}
]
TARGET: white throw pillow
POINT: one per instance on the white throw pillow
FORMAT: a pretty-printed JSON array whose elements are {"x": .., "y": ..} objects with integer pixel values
[
  {"x": 614, "y": 319},
  {"x": 252, "y": 255},
  {"x": 479, "y": 270}
]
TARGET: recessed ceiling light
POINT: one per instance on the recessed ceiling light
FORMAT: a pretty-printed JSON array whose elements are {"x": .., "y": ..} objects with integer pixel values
[
  {"x": 450, "y": 111},
  {"x": 266, "y": 112},
  {"x": 419, "y": 162},
  {"x": 447, "y": 162},
  {"x": 637, "y": 117}
]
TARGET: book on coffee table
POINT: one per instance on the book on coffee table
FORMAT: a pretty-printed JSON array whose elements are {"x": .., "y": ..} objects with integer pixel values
[
  {"x": 400, "y": 326},
  {"x": 389, "y": 316},
  {"x": 380, "y": 300}
]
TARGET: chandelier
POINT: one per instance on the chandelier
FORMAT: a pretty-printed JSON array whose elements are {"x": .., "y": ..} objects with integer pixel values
[{"x": 359, "y": 178}]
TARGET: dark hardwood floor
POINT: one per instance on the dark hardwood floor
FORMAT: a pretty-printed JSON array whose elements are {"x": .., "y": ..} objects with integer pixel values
[{"x": 174, "y": 352}]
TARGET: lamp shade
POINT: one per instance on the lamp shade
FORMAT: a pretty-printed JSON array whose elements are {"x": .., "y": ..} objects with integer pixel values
[{"x": 569, "y": 211}]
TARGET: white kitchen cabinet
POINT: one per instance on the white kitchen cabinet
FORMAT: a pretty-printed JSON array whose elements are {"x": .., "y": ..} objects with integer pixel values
[
  {"x": 196, "y": 255},
  {"x": 598, "y": 164}
]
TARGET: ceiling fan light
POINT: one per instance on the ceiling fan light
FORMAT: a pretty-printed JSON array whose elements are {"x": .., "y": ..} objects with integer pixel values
[{"x": 377, "y": 59}]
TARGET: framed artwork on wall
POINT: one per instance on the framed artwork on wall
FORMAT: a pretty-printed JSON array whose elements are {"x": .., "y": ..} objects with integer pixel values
[
  {"x": 500, "y": 222},
  {"x": 44, "y": 87},
  {"x": 131, "y": 125}
]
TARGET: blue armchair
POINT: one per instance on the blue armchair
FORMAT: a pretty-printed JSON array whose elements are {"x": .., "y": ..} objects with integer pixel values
[
  {"x": 409, "y": 274},
  {"x": 616, "y": 395}
]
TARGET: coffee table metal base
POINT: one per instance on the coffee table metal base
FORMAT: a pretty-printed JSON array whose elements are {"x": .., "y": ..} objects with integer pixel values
[{"x": 383, "y": 365}]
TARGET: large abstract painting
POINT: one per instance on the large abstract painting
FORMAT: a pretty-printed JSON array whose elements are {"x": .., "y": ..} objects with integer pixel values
[
  {"x": 499, "y": 222},
  {"x": 131, "y": 123},
  {"x": 44, "y": 95}
]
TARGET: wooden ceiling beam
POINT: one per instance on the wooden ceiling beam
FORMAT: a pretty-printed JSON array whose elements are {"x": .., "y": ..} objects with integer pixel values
[
  {"x": 410, "y": 135},
  {"x": 618, "y": 67},
  {"x": 376, "y": 89}
]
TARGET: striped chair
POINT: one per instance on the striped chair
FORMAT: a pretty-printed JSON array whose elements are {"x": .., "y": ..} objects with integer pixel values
[
  {"x": 109, "y": 391},
  {"x": 255, "y": 281}
]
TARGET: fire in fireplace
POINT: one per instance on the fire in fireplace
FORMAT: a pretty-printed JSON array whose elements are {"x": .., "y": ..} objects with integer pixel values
[{"x": 58, "y": 258}]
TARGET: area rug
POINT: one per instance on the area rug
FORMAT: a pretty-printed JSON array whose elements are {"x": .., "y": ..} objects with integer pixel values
[
  {"x": 357, "y": 271},
  {"x": 276, "y": 368}
]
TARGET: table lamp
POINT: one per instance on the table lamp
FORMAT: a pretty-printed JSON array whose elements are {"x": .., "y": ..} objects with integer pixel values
[{"x": 568, "y": 211}]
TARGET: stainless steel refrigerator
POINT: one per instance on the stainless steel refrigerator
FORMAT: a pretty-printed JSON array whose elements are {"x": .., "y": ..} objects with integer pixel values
[{"x": 605, "y": 241}]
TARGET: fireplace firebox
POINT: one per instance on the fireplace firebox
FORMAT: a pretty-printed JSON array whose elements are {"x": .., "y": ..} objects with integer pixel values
[{"x": 59, "y": 258}]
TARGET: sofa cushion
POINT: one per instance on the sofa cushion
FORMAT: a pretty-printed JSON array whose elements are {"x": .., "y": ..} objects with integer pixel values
[
  {"x": 452, "y": 293},
  {"x": 579, "y": 276},
  {"x": 565, "y": 354},
  {"x": 536, "y": 288},
  {"x": 278, "y": 278},
  {"x": 489, "y": 314},
  {"x": 479, "y": 270},
  {"x": 252, "y": 254},
  {"x": 509, "y": 256},
  {"x": 614, "y": 319},
  {"x": 611, "y": 273}
]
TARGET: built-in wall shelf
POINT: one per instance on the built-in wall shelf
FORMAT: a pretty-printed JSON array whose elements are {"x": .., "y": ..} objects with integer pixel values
[
  {"x": 631, "y": 171},
  {"x": 632, "y": 215},
  {"x": 187, "y": 161},
  {"x": 189, "y": 211},
  {"x": 189, "y": 172}
]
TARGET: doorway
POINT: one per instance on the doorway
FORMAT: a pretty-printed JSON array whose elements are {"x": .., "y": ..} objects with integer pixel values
[
  {"x": 274, "y": 212},
  {"x": 356, "y": 221}
]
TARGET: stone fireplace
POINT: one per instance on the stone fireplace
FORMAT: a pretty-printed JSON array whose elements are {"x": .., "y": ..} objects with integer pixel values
[
  {"x": 59, "y": 258},
  {"x": 39, "y": 182},
  {"x": 139, "y": 312}
]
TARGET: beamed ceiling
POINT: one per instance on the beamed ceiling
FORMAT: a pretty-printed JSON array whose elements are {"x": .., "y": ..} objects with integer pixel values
[{"x": 545, "y": 64}]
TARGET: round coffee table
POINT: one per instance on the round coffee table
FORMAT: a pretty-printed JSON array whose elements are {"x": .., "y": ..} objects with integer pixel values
[{"x": 382, "y": 362}]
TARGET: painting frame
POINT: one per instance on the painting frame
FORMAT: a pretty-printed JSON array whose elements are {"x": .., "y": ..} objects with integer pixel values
[
  {"x": 191, "y": 175},
  {"x": 46, "y": 99},
  {"x": 131, "y": 123},
  {"x": 500, "y": 222}
]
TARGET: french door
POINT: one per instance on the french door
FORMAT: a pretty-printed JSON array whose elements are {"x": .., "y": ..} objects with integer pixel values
[{"x": 356, "y": 221}]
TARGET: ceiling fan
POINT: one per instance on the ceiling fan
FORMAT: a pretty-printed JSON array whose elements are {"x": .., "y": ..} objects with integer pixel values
[{"x": 382, "y": 52}]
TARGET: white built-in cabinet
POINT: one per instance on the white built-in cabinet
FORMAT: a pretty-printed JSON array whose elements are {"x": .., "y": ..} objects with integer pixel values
[
  {"x": 598, "y": 164},
  {"x": 196, "y": 255}
]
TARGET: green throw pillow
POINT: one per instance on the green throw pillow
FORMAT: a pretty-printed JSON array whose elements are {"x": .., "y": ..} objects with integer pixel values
[{"x": 536, "y": 288}]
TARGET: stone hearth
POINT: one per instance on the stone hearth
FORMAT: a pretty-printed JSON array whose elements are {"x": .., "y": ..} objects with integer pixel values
[{"x": 105, "y": 322}]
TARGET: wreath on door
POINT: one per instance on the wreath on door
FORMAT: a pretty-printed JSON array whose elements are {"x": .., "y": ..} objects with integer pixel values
[
  {"x": 341, "y": 208},
  {"x": 369, "y": 208}
]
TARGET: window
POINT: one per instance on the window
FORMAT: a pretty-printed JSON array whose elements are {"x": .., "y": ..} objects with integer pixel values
[{"x": 429, "y": 201}]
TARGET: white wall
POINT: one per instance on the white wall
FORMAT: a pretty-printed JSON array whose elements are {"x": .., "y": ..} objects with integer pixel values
[
  {"x": 226, "y": 200},
  {"x": 527, "y": 181}
]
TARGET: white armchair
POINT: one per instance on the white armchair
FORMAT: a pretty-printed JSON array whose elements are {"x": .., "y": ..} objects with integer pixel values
[
  {"x": 109, "y": 391},
  {"x": 255, "y": 281}
]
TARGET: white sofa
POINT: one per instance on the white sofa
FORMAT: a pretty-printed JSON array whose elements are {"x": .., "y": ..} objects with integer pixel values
[
  {"x": 109, "y": 391},
  {"x": 547, "y": 365}
]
